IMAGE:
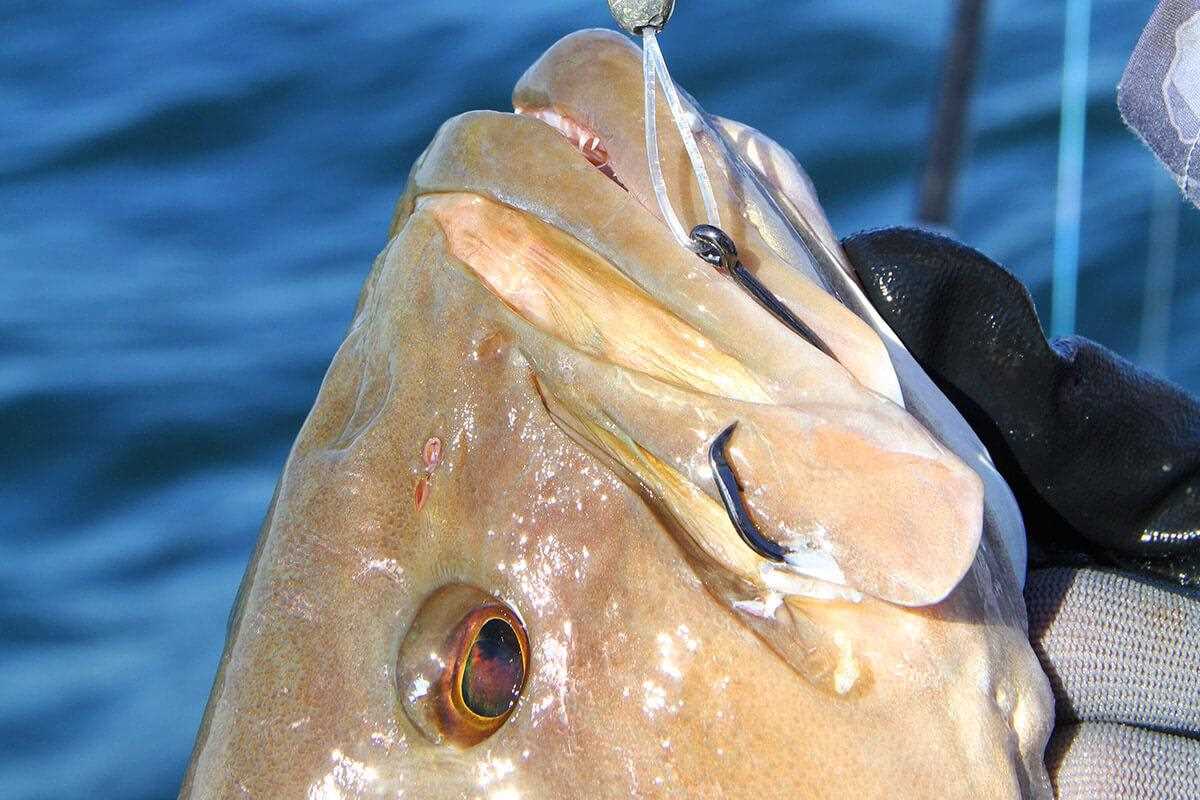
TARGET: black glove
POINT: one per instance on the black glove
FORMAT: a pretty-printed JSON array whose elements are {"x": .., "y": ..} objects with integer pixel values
[{"x": 1104, "y": 460}]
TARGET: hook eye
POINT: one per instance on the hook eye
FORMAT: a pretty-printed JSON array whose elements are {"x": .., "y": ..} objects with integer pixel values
[{"x": 715, "y": 246}]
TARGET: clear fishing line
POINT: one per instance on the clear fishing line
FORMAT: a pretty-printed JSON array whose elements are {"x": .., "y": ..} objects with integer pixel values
[
  {"x": 654, "y": 70},
  {"x": 1072, "y": 128}
]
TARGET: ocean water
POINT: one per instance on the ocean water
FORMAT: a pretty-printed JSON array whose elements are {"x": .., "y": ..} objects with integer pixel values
[{"x": 192, "y": 193}]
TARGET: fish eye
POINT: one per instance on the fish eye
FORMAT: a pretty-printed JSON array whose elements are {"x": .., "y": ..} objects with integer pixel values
[
  {"x": 462, "y": 665},
  {"x": 493, "y": 671}
]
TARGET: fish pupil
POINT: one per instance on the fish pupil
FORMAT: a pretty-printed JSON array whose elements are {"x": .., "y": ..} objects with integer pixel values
[{"x": 494, "y": 671}]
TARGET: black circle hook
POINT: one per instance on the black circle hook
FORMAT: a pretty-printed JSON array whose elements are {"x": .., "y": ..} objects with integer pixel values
[{"x": 730, "y": 489}]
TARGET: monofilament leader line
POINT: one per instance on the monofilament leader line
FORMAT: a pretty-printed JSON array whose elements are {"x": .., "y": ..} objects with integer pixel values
[
  {"x": 645, "y": 18},
  {"x": 654, "y": 69}
]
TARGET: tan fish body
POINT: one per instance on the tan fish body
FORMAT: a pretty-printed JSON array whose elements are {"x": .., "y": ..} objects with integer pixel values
[{"x": 514, "y": 437}]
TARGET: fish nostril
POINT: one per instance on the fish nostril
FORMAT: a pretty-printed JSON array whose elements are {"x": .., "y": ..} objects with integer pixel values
[
  {"x": 431, "y": 453},
  {"x": 431, "y": 456},
  {"x": 421, "y": 492}
]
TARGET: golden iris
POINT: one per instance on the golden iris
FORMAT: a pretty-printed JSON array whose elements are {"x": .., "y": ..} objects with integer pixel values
[{"x": 462, "y": 665}]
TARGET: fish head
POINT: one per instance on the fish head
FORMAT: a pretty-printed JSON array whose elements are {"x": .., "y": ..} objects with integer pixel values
[{"x": 498, "y": 563}]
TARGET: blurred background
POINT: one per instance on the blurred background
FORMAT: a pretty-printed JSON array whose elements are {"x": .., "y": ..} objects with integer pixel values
[{"x": 191, "y": 195}]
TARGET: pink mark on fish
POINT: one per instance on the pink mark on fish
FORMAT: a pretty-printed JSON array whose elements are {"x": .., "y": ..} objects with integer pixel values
[
  {"x": 431, "y": 456},
  {"x": 432, "y": 453}
]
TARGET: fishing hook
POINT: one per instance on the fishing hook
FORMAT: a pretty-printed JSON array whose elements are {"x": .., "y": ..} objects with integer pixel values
[
  {"x": 715, "y": 247},
  {"x": 730, "y": 489}
]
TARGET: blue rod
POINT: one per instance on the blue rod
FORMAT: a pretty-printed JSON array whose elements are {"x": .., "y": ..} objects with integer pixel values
[{"x": 1072, "y": 125}]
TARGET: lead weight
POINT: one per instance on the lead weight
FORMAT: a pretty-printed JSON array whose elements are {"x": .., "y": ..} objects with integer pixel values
[{"x": 634, "y": 15}]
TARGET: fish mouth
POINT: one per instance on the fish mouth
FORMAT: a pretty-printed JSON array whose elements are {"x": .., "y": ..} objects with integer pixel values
[
  {"x": 642, "y": 352},
  {"x": 589, "y": 87},
  {"x": 586, "y": 141}
]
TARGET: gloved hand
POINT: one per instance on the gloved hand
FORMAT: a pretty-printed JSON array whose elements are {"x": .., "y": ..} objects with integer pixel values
[{"x": 1104, "y": 460}]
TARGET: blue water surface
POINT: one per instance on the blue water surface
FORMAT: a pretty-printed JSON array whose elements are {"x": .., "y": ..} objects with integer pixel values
[{"x": 192, "y": 193}]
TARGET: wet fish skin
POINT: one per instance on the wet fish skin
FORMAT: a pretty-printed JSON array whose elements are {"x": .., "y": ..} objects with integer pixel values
[{"x": 644, "y": 679}]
